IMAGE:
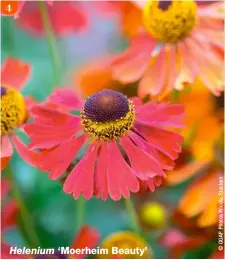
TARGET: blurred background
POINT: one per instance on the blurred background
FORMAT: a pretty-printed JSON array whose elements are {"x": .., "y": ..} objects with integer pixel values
[{"x": 166, "y": 216}]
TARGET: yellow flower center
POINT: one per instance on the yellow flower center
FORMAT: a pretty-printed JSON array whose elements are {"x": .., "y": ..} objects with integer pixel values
[
  {"x": 127, "y": 245},
  {"x": 170, "y": 21},
  {"x": 13, "y": 109},
  {"x": 107, "y": 115}
]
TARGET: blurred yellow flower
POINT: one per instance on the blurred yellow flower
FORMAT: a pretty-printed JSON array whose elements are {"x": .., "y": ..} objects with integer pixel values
[
  {"x": 128, "y": 244},
  {"x": 153, "y": 214}
]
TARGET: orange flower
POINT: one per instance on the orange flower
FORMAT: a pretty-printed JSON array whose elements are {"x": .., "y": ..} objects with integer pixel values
[{"x": 203, "y": 121}]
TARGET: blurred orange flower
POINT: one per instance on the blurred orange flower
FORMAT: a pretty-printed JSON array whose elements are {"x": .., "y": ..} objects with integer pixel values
[
  {"x": 95, "y": 77},
  {"x": 203, "y": 132},
  {"x": 203, "y": 122}
]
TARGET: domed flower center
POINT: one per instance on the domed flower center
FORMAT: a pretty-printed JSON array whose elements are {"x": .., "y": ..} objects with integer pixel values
[
  {"x": 170, "y": 21},
  {"x": 107, "y": 115},
  {"x": 13, "y": 109}
]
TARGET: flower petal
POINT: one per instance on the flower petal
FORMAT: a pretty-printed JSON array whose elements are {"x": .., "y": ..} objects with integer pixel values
[
  {"x": 144, "y": 165},
  {"x": 15, "y": 73},
  {"x": 28, "y": 156},
  {"x": 6, "y": 147},
  {"x": 57, "y": 160},
  {"x": 165, "y": 162},
  {"x": 165, "y": 141},
  {"x": 163, "y": 114},
  {"x": 66, "y": 97},
  {"x": 101, "y": 184},
  {"x": 51, "y": 127},
  {"x": 120, "y": 177},
  {"x": 81, "y": 178},
  {"x": 199, "y": 194}
]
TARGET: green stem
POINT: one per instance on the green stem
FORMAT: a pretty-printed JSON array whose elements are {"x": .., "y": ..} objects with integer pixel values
[
  {"x": 133, "y": 216},
  {"x": 51, "y": 42},
  {"x": 27, "y": 220},
  {"x": 80, "y": 212}
]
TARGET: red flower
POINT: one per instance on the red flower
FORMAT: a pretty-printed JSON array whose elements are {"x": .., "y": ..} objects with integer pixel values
[
  {"x": 124, "y": 143},
  {"x": 14, "y": 107},
  {"x": 65, "y": 17}
]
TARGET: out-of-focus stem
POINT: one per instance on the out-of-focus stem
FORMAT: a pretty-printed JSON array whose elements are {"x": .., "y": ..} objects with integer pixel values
[
  {"x": 133, "y": 216},
  {"x": 51, "y": 42},
  {"x": 80, "y": 212},
  {"x": 25, "y": 216}
]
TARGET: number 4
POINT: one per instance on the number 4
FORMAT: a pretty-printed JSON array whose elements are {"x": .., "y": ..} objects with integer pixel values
[{"x": 8, "y": 8}]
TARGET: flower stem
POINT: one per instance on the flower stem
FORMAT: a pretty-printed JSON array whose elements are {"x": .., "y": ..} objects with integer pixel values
[
  {"x": 133, "y": 216},
  {"x": 51, "y": 42},
  {"x": 80, "y": 210},
  {"x": 27, "y": 220}
]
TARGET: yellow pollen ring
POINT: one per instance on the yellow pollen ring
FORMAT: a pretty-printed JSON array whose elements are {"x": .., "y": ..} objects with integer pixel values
[
  {"x": 13, "y": 110},
  {"x": 173, "y": 24},
  {"x": 111, "y": 130}
]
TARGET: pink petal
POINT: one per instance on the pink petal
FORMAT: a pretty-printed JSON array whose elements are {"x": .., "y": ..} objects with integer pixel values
[
  {"x": 166, "y": 141},
  {"x": 81, "y": 178},
  {"x": 144, "y": 165},
  {"x": 65, "y": 17},
  {"x": 66, "y": 97},
  {"x": 51, "y": 127},
  {"x": 15, "y": 73},
  {"x": 214, "y": 10},
  {"x": 121, "y": 178},
  {"x": 163, "y": 114},
  {"x": 6, "y": 147},
  {"x": 131, "y": 65},
  {"x": 154, "y": 78},
  {"x": 101, "y": 184},
  {"x": 28, "y": 156},
  {"x": 59, "y": 159},
  {"x": 165, "y": 162}
]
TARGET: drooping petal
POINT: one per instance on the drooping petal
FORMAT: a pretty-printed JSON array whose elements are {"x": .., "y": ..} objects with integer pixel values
[
  {"x": 15, "y": 73},
  {"x": 197, "y": 196},
  {"x": 165, "y": 141},
  {"x": 58, "y": 159},
  {"x": 144, "y": 165},
  {"x": 165, "y": 162},
  {"x": 164, "y": 114},
  {"x": 101, "y": 184},
  {"x": 209, "y": 216},
  {"x": 86, "y": 237},
  {"x": 6, "y": 151},
  {"x": 51, "y": 127},
  {"x": 151, "y": 183},
  {"x": 120, "y": 177},
  {"x": 185, "y": 172},
  {"x": 131, "y": 65},
  {"x": 81, "y": 178},
  {"x": 154, "y": 77},
  {"x": 28, "y": 156},
  {"x": 66, "y": 97}
]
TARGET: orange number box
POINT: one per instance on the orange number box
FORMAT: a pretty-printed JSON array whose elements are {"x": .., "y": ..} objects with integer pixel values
[{"x": 9, "y": 7}]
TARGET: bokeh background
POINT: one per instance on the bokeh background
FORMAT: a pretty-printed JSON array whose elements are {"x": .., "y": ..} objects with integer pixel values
[{"x": 54, "y": 213}]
